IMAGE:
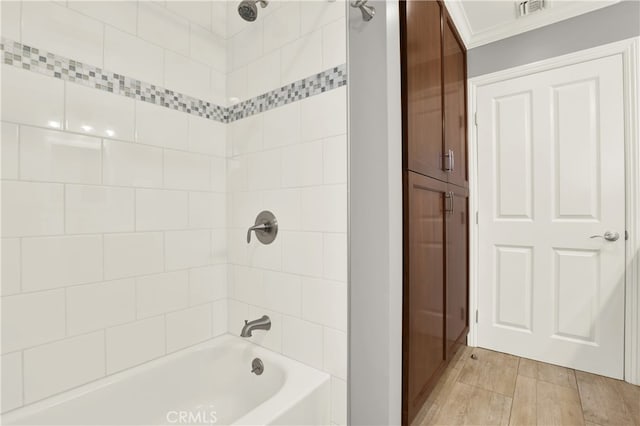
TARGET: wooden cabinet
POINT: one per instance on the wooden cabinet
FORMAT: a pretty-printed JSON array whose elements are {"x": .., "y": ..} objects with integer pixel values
[
  {"x": 424, "y": 296},
  {"x": 435, "y": 196},
  {"x": 435, "y": 296},
  {"x": 454, "y": 78},
  {"x": 457, "y": 260},
  {"x": 423, "y": 88},
  {"x": 434, "y": 93}
]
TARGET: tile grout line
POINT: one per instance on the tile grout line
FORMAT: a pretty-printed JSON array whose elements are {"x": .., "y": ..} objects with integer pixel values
[
  {"x": 104, "y": 280},
  {"x": 104, "y": 42},
  {"x": 22, "y": 378},
  {"x": 137, "y": 319},
  {"x": 513, "y": 396},
  {"x": 20, "y": 265},
  {"x": 20, "y": 14},
  {"x": 155, "y": 44},
  {"x": 579, "y": 398},
  {"x": 166, "y": 350},
  {"x": 130, "y": 141},
  {"x": 104, "y": 336},
  {"x": 66, "y": 314},
  {"x": 19, "y": 168}
]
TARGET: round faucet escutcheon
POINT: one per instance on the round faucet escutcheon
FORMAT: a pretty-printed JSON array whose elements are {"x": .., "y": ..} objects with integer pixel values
[
  {"x": 265, "y": 228},
  {"x": 257, "y": 366}
]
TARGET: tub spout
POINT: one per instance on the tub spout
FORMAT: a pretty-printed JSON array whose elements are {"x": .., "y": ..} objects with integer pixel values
[{"x": 263, "y": 323}]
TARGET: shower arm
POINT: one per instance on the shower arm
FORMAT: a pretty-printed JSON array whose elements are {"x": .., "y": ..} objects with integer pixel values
[{"x": 368, "y": 12}]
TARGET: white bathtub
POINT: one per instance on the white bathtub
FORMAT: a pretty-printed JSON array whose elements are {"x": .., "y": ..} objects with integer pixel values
[{"x": 210, "y": 383}]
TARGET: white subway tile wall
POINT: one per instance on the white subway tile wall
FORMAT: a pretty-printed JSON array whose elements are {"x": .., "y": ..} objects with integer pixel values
[
  {"x": 31, "y": 98},
  {"x": 10, "y": 266},
  {"x": 135, "y": 343},
  {"x": 11, "y": 379},
  {"x": 10, "y": 151},
  {"x": 57, "y": 366},
  {"x": 121, "y": 15},
  {"x": 55, "y": 156},
  {"x": 53, "y": 262},
  {"x": 97, "y": 306},
  {"x": 102, "y": 194},
  {"x": 291, "y": 160},
  {"x": 54, "y": 27},
  {"x": 124, "y": 223},
  {"x": 98, "y": 113},
  {"x": 132, "y": 56},
  {"x": 11, "y": 19},
  {"x": 34, "y": 318}
]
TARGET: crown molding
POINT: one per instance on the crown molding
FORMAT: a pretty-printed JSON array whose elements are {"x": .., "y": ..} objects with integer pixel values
[
  {"x": 548, "y": 16},
  {"x": 459, "y": 17}
]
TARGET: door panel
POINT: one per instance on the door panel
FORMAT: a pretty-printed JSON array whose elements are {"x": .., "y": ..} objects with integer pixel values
[
  {"x": 576, "y": 281},
  {"x": 455, "y": 115},
  {"x": 514, "y": 284},
  {"x": 575, "y": 150},
  {"x": 550, "y": 176},
  {"x": 457, "y": 268},
  {"x": 424, "y": 295},
  {"x": 513, "y": 160},
  {"x": 423, "y": 88}
]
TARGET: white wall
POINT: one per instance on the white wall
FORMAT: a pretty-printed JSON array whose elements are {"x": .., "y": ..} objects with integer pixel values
[
  {"x": 289, "y": 41},
  {"x": 375, "y": 203},
  {"x": 587, "y": 31},
  {"x": 117, "y": 214},
  {"x": 113, "y": 247},
  {"x": 291, "y": 160}
]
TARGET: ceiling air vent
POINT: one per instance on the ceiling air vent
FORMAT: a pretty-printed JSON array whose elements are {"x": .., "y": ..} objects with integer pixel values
[{"x": 528, "y": 7}]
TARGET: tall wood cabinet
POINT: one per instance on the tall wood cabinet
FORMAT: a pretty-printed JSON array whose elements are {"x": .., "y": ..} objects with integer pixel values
[
  {"x": 454, "y": 76},
  {"x": 435, "y": 196},
  {"x": 423, "y": 89},
  {"x": 457, "y": 260}
]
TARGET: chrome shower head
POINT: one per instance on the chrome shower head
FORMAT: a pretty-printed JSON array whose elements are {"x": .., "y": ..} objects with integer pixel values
[{"x": 248, "y": 9}]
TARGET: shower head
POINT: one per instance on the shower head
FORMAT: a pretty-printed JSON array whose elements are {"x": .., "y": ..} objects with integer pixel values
[{"x": 248, "y": 9}]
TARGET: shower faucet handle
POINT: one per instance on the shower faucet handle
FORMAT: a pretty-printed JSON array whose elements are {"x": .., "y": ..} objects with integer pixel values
[
  {"x": 262, "y": 226},
  {"x": 266, "y": 228}
]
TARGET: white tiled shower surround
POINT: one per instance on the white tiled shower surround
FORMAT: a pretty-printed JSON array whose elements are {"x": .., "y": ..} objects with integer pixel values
[{"x": 124, "y": 223}]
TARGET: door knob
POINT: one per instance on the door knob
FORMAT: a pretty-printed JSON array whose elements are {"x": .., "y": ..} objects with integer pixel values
[{"x": 609, "y": 236}]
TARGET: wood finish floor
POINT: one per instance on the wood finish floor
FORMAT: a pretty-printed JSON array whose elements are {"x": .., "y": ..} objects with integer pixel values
[{"x": 501, "y": 389}]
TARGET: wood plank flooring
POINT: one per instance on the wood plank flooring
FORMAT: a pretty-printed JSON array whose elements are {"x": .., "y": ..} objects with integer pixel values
[{"x": 501, "y": 389}]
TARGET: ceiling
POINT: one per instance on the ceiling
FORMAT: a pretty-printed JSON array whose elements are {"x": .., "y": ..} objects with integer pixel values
[{"x": 480, "y": 21}]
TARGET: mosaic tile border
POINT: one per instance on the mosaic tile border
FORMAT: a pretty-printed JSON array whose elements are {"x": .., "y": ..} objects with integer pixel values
[
  {"x": 301, "y": 89},
  {"x": 56, "y": 66}
]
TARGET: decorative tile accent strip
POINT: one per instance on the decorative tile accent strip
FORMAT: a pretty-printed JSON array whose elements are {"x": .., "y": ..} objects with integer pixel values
[
  {"x": 301, "y": 89},
  {"x": 52, "y": 65}
]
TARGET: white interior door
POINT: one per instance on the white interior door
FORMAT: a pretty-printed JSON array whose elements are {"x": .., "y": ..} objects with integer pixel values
[{"x": 551, "y": 176}]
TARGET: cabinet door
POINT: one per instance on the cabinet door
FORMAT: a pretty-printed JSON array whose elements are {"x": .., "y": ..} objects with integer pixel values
[
  {"x": 424, "y": 290},
  {"x": 455, "y": 117},
  {"x": 422, "y": 60},
  {"x": 457, "y": 311}
]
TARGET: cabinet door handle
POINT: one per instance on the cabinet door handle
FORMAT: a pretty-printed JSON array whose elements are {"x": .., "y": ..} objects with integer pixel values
[
  {"x": 453, "y": 162},
  {"x": 448, "y": 202},
  {"x": 450, "y": 161}
]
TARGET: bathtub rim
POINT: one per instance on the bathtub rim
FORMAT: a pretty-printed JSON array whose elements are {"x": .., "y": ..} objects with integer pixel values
[{"x": 297, "y": 386}]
